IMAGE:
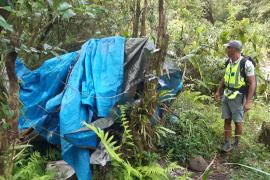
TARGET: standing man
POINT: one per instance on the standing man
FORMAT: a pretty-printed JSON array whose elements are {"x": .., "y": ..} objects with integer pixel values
[{"x": 238, "y": 87}]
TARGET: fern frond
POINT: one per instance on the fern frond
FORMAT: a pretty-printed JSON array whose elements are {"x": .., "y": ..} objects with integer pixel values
[
  {"x": 171, "y": 167},
  {"x": 112, "y": 151},
  {"x": 153, "y": 171},
  {"x": 127, "y": 136},
  {"x": 169, "y": 156}
]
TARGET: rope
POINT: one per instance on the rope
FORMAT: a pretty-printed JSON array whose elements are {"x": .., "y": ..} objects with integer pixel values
[
  {"x": 75, "y": 89},
  {"x": 33, "y": 126}
]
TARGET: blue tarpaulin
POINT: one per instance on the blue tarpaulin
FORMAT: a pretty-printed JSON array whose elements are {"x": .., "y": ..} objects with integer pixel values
[
  {"x": 66, "y": 91},
  {"x": 82, "y": 86}
]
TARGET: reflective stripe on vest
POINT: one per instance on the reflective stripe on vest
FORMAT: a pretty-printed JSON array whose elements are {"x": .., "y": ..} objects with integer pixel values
[{"x": 231, "y": 94}]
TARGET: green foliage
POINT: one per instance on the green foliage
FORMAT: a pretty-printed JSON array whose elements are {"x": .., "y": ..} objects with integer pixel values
[
  {"x": 200, "y": 43},
  {"x": 31, "y": 166},
  {"x": 5, "y": 25},
  {"x": 197, "y": 125},
  {"x": 23, "y": 163},
  {"x": 65, "y": 10},
  {"x": 33, "y": 26},
  {"x": 52, "y": 154},
  {"x": 124, "y": 169}
]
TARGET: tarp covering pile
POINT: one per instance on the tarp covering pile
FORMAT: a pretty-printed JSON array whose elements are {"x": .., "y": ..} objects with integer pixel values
[{"x": 79, "y": 87}]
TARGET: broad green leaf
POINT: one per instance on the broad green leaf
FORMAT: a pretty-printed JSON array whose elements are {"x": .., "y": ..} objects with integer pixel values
[
  {"x": 64, "y": 6},
  {"x": 7, "y": 8},
  {"x": 5, "y": 25}
]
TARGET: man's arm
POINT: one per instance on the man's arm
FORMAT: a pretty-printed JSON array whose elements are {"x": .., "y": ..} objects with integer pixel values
[
  {"x": 251, "y": 82},
  {"x": 221, "y": 86},
  {"x": 251, "y": 90},
  {"x": 219, "y": 90}
]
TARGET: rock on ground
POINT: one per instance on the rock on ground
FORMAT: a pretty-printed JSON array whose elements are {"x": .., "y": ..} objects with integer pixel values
[
  {"x": 198, "y": 163},
  {"x": 264, "y": 136}
]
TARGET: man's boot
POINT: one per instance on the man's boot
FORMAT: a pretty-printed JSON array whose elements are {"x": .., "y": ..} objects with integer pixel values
[{"x": 227, "y": 146}]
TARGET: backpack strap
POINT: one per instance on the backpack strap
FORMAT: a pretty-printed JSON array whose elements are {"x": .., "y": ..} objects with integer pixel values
[
  {"x": 243, "y": 68},
  {"x": 226, "y": 63}
]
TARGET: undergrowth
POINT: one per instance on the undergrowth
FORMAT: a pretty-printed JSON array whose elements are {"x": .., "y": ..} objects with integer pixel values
[
  {"x": 192, "y": 127},
  {"x": 196, "y": 121},
  {"x": 29, "y": 162},
  {"x": 195, "y": 118},
  {"x": 123, "y": 169},
  {"x": 140, "y": 164},
  {"x": 251, "y": 152},
  {"x": 33, "y": 167}
]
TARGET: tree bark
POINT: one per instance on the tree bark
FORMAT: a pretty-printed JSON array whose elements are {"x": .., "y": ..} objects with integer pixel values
[
  {"x": 156, "y": 64},
  {"x": 162, "y": 36},
  {"x": 136, "y": 18},
  {"x": 13, "y": 98},
  {"x": 8, "y": 136},
  {"x": 143, "y": 19}
]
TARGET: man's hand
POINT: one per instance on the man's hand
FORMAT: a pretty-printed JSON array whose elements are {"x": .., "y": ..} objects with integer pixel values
[
  {"x": 247, "y": 106},
  {"x": 217, "y": 96}
]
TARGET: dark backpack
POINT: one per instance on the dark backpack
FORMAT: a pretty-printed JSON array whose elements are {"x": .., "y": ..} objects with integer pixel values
[{"x": 242, "y": 68}]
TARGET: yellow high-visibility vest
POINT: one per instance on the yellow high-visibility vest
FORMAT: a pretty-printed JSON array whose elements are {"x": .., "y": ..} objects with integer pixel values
[{"x": 233, "y": 80}]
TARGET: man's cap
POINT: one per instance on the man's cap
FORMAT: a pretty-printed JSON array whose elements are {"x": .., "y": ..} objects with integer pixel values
[{"x": 234, "y": 44}]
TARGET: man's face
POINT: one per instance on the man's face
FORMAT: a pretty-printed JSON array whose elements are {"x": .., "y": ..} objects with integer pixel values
[{"x": 231, "y": 51}]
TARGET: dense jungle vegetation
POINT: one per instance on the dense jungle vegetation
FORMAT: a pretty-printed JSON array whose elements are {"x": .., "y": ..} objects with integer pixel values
[{"x": 192, "y": 33}]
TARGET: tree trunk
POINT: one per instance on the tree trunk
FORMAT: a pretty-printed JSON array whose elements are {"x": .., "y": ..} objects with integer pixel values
[
  {"x": 157, "y": 62},
  {"x": 13, "y": 95},
  {"x": 209, "y": 11},
  {"x": 8, "y": 136},
  {"x": 162, "y": 36},
  {"x": 143, "y": 24},
  {"x": 136, "y": 18}
]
